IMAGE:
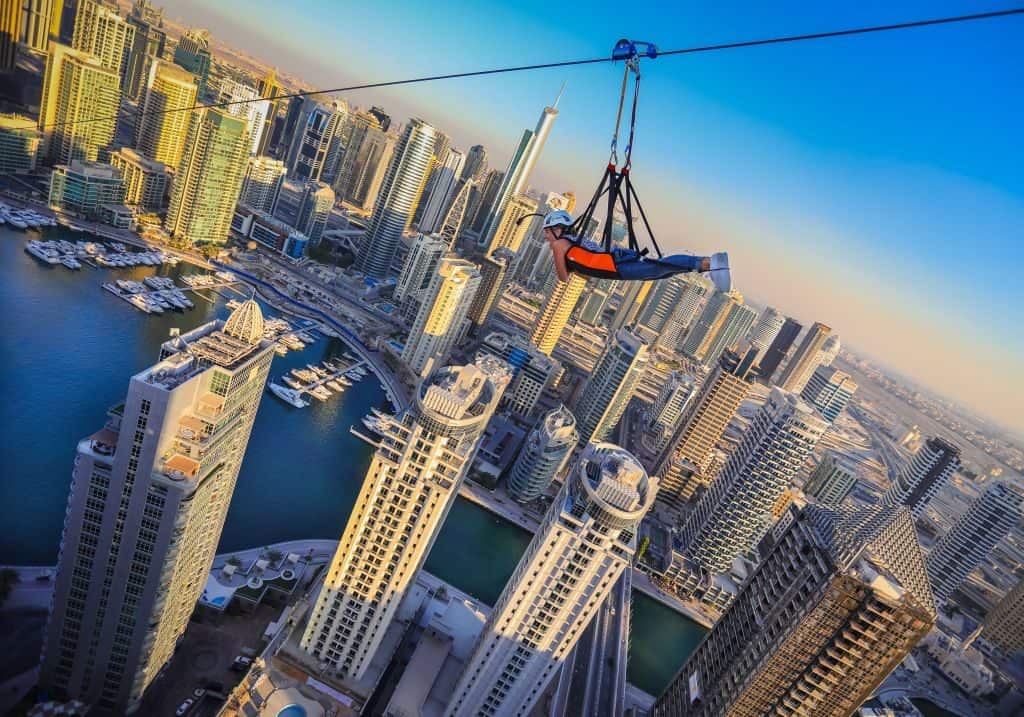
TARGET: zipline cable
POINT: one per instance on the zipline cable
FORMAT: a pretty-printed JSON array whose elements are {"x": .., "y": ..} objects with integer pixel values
[{"x": 571, "y": 63}]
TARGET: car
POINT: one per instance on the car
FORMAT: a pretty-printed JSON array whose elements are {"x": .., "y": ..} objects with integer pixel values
[
  {"x": 198, "y": 692},
  {"x": 185, "y": 707},
  {"x": 241, "y": 663}
]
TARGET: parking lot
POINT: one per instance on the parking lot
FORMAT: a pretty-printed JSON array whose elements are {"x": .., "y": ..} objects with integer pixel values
[{"x": 203, "y": 658}]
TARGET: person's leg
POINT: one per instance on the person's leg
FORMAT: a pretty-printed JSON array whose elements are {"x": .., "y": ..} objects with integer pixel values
[{"x": 644, "y": 269}]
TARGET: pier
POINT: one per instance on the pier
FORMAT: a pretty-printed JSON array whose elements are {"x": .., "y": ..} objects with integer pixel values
[{"x": 318, "y": 381}]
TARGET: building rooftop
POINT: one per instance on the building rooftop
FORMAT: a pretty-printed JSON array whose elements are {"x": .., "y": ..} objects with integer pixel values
[
  {"x": 420, "y": 674},
  {"x": 91, "y": 170},
  {"x": 137, "y": 158}
]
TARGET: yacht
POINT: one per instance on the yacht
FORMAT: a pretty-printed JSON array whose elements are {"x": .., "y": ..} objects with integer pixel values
[
  {"x": 343, "y": 381},
  {"x": 291, "y": 382},
  {"x": 16, "y": 220},
  {"x": 71, "y": 263},
  {"x": 334, "y": 385},
  {"x": 304, "y": 375},
  {"x": 287, "y": 395},
  {"x": 320, "y": 393},
  {"x": 139, "y": 302},
  {"x": 280, "y": 349}
]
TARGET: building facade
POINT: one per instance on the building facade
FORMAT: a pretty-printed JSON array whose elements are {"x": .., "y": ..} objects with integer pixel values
[
  {"x": 442, "y": 315},
  {"x": 988, "y": 520},
  {"x": 724, "y": 321},
  {"x": 19, "y": 143},
  {"x": 261, "y": 185},
  {"x": 145, "y": 179},
  {"x": 1004, "y": 626},
  {"x": 532, "y": 371},
  {"x": 543, "y": 455},
  {"x": 396, "y": 203},
  {"x": 160, "y": 133},
  {"x": 838, "y": 601},
  {"x": 409, "y": 488},
  {"x": 83, "y": 187},
  {"x": 314, "y": 209},
  {"x": 77, "y": 87},
  {"x": 556, "y": 313},
  {"x": 931, "y": 468},
  {"x": 102, "y": 33},
  {"x": 149, "y": 496},
  {"x": 603, "y": 398},
  {"x": 779, "y": 348},
  {"x": 805, "y": 359},
  {"x": 733, "y": 511},
  {"x": 494, "y": 269},
  {"x": 829, "y": 390},
  {"x": 209, "y": 178},
  {"x": 587, "y": 539},
  {"x": 830, "y": 481}
]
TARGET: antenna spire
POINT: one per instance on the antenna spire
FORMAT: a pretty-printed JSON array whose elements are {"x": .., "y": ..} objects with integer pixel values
[{"x": 560, "y": 91}]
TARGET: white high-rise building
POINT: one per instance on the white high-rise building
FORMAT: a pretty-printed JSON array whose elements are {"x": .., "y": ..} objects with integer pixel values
[
  {"x": 603, "y": 399},
  {"x": 510, "y": 231},
  {"x": 669, "y": 408},
  {"x": 517, "y": 174},
  {"x": 442, "y": 315},
  {"x": 451, "y": 225},
  {"x": 420, "y": 266},
  {"x": 721, "y": 325},
  {"x": 247, "y": 106},
  {"x": 397, "y": 199},
  {"x": 765, "y": 329},
  {"x": 543, "y": 455},
  {"x": 805, "y": 359},
  {"x": 935, "y": 462},
  {"x": 149, "y": 495},
  {"x": 831, "y": 481},
  {"x": 410, "y": 485},
  {"x": 587, "y": 539},
  {"x": 441, "y": 190},
  {"x": 829, "y": 390},
  {"x": 532, "y": 370},
  {"x": 738, "y": 503},
  {"x": 987, "y": 521},
  {"x": 261, "y": 185}
]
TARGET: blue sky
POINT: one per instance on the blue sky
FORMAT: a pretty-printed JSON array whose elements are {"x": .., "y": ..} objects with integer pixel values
[{"x": 873, "y": 183}]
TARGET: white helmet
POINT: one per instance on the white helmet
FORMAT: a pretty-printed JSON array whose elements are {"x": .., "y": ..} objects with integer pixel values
[{"x": 557, "y": 218}]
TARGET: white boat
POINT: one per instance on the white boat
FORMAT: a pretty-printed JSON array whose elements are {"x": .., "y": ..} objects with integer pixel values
[
  {"x": 287, "y": 395},
  {"x": 17, "y": 221},
  {"x": 343, "y": 381},
  {"x": 373, "y": 424},
  {"x": 280, "y": 349},
  {"x": 71, "y": 263},
  {"x": 291, "y": 382},
  {"x": 140, "y": 303},
  {"x": 335, "y": 386},
  {"x": 304, "y": 375},
  {"x": 320, "y": 393}
]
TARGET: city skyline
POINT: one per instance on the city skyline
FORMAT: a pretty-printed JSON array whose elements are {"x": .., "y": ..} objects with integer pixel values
[{"x": 767, "y": 118}]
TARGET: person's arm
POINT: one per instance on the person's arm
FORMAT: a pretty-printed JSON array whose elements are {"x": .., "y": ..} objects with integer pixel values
[{"x": 559, "y": 248}]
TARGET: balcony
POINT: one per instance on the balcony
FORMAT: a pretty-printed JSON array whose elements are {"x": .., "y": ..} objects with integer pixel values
[
  {"x": 210, "y": 405},
  {"x": 179, "y": 467}
]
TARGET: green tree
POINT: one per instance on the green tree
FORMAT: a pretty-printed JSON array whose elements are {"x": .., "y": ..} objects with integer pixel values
[{"x": 643, "y": 548}]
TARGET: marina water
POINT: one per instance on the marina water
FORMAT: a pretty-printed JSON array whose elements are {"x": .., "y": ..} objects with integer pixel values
[{"x": 67, "y": 353}]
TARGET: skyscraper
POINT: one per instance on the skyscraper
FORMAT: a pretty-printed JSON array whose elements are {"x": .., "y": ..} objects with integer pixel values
[
  {"x": 829, "y": 350},
  {"x": 556, "y": 312},
  {"x": 209, "y": 177},
  {"x": 76, "y": 87},
  {"x": 925, "y": 475},
  {"x": 603, "y": 398},
  {"x": 101, "y": 32},
  {"x": 145, "y": 179},
  {"x": 830, "y": 481},
  {"x": 1004, "y": 626},
  {"x": 453, "y": 219},
  {"x": 355, "y": 131},
  {"x": 314, "y": 209},
  {"x": 243, "y": 101},
  {"x": 510, "y": 232},
  {"x": 493, "y": 271},
  {"x": 160, "y": 129},
  {"x": 532, "y": 371},
  {"x": 634, "y": 294},
  {"x": 193, "y": 54},
  {"x": 829, "y": 390},
  {"x": 269, "y": 88},
  {"x": 517, "y": 174},
  {"x": 261, "y": 185},
  {"x": 149, "y": 495},
  {"x": 476, "y": 164},
  {"x": 397, "y": 199},
  {"x": 440, "y": 190},
  {"x": 805, "y": 359},
  {"x": 587, "y": 539},
  {"x": 837, "y": 602},
  {"x": 10, "y": 33},
  {"x": 481, "y": 209},
  {"x": 661, "y": 301},
  {"x": 595, "y": 300},
  {"x": 442, "y": 314},
  {"x": 987, "y": 521},
  {"x": 543, "y": 455},
  {"x": 418, "y": 270},
  {"x": 36, "y": 23},
  {"x": 669, "y": 409},
  {"x": 735, "y": 508},
  {"x": 147, "y": 45},
  {"x": 779, "y": 348},
  {"x": 691, "y": 448},
  {"x": 409, "y": 487},
  {"x": 720, "y": 326},
  {"x": 359, "y": 180},
  {"x": 765, "y": 330},
  {"x": 19, "y": 143},
  {"x": 690, "y": 301},
  {"x": 316, "y": 151}
]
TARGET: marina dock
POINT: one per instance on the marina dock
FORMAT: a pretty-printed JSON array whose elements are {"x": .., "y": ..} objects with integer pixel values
[{"x": 320, "y": 382}]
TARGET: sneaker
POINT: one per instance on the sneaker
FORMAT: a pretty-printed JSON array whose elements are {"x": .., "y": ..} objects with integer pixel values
[{"x": 719, "y": 272}]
